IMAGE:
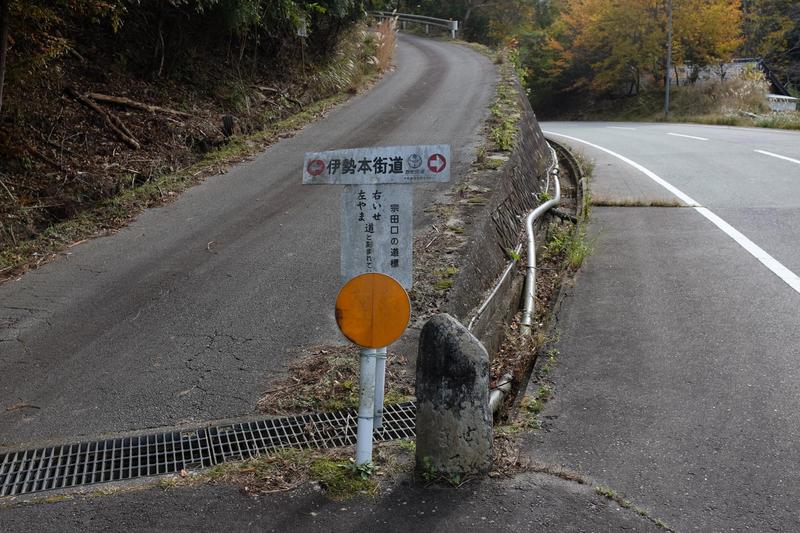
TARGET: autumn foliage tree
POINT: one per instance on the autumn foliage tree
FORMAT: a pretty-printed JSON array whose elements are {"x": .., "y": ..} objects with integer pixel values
[
  {"x": 612, "y": 43},
  {"x": 618, "y": 48},
  {"x": 706, "y": 32}
]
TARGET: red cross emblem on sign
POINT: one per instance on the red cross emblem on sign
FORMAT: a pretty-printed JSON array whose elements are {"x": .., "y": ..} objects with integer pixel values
[
  {"x": 436, "y": 163},
  {"x": 316, "y": 167}
]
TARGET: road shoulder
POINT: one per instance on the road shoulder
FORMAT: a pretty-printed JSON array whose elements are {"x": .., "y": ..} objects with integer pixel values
[{"x": 527, "y": 502}]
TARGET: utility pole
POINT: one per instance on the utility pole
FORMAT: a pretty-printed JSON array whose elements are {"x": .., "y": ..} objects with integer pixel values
[{"x": 668, "y": 64}]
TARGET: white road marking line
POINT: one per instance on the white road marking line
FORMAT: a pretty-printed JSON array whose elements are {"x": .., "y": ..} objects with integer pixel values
[
  {"x": 620, "y": 128},
  {"x": 685, "y": 198},
  {"x": 791, "y": 279},
  {"x": 778, "y": 156},
  {"x": 687, "y": 136}
]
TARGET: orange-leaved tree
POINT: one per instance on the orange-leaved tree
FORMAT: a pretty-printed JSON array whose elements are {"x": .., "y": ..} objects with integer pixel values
[
  {"x": 613, "y": 44},
  {"x": 706, "y": 32}
]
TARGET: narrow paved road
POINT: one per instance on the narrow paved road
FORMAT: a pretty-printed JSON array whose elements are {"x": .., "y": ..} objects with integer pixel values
[
  {"x": 679, "y": 376},
  {"x": 153, "y": 327}
]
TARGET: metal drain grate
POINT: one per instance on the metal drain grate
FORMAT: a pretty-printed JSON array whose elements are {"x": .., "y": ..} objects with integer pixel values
[{"x": 86, "y": 463}]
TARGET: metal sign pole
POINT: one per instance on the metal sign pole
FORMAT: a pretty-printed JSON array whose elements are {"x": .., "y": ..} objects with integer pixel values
[
  {"x": 373, "y": 308},
  {"x": 380, "y": 382},
  {"x": 366, "y": 407}
]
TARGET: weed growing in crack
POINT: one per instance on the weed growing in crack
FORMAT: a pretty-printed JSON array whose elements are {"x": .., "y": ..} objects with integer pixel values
[
  {"x": 605, "y": 492},
  {"x": 341, "y": 480},
  {"x": 547, "y": 367},
  {"x": 636, "y": 202},
  {"x": 407, "y": 445},
  {"x": 363, "y": 471},
  {"x": 430, "y": 475},
  {"x": 458, "y": 230},
  {"x": 571, "y": 242},
  {"x": 428, "y": 472},
  {"x": 611, "y": 494},
  {"x": 585, "y": 163},
  {"x": 544, "y": 393},
  {"x": 504, "y": 133},
  {"x": 480, "y": 155},
  {"x": 528, "y": 416},
  {"x": 445, "y": 277}
]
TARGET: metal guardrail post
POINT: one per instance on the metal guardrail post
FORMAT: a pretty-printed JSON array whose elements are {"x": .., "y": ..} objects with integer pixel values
[{"x": 405, "y": 18}]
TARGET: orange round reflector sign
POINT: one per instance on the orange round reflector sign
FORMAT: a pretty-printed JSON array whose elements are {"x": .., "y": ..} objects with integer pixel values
[{"x": 373, "y": 310}]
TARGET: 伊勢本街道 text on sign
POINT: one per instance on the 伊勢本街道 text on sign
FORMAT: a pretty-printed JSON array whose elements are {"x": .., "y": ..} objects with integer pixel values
[
  {"x": 395, "y": 164},
  {"x": 376, "y": 203}
]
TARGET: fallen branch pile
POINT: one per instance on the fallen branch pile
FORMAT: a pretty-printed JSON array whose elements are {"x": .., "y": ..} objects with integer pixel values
[{"x": 113, "y": 123}]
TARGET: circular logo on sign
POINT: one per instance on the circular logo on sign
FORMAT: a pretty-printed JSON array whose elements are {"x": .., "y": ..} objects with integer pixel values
[
  {"x": 437, "y": 163},
  {"x": 316, "y": 167},
  {"x": 414, "y": 161}
]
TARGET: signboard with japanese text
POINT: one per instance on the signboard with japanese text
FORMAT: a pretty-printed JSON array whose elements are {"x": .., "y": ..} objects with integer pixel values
[
  {"x": 376, "y": 231},
  {"x": 362, "y": 166},
  {"x": 376, "y": 210}
]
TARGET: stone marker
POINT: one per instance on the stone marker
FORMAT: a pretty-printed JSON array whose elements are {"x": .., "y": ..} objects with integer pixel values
[{"x": 454, "y": 423}]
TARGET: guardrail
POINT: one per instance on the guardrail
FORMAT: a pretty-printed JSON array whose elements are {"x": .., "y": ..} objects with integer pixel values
[{"x": 405, "y": 18}]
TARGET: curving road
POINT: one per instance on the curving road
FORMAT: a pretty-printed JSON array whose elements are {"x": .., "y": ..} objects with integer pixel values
[
  {"x": 679, "y": 376},
  {"x": 155, "y": 327}
]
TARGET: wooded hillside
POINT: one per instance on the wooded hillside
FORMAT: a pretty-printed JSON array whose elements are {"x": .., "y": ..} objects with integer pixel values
[{"x": 103, "y": 96}]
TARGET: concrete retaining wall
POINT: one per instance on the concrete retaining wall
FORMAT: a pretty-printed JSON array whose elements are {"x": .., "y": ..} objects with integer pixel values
[{"x": 498, "y": 227}]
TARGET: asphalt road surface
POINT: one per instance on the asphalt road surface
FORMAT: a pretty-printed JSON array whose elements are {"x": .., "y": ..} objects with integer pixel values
[
  {"x": 678, "y": 383},
  {"x": 525, "y": 503},
  {"x": 156, "y": 327}
]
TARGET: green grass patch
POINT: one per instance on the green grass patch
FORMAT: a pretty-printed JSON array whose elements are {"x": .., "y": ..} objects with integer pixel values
[
  {"x": 340, "y": 480},
  {"x": 443, "y": 284},
  {"x": 445, "y": 277},
  {"x": 286, "y": 470},
  {"x": 407, "y": 445},
  {"x": 396, "y": 397},
  {"x": 571, "y": 242},
  {"x": 505, "y": 112},
  {"x": 635, "y": 202},
  {"x": 605, "y": 492},
  {"x": 784, "y": 121}
]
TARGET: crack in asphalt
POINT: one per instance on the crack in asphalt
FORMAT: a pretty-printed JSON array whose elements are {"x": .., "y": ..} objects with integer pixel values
[
  {"x": 578, "y": 478},
  {"x": 204, "y": 363}
]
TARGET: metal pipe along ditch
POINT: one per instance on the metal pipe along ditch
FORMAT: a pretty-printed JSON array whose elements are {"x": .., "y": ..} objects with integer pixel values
[
  {"x": 530, "y": 278},
  {"x": 497, "y": 394},
  {"x": 552, "y": 170}
]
